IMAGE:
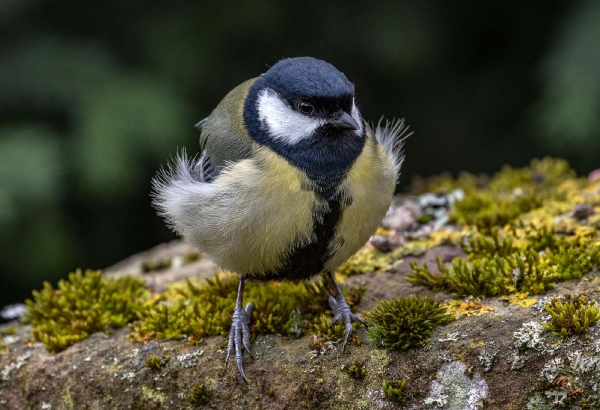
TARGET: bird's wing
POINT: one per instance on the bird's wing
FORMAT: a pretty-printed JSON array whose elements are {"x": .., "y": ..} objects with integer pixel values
[
  {"x": 200, "y": 124},
  {"x": 391, "y": 137},
  {"x": 204, "y": 170},
  {"x": 223, "y": 134}
]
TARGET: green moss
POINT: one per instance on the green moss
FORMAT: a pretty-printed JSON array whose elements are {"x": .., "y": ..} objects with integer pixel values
[
  {"x": 356, "y": 370},
  {"x": 154, "y": 362},
  {"x": 9, "y": 330},
  {"x": 199, "y": 310},
  {"x": 521, "y": 237},
  {"x": 486, "y": 210},
  {"x": 198, "y": 395},
  {"x": 572, "y": 315},
  {"x": 394, "y": 391},
  {"x": 84, "y": 304},
  {"x": 508, "y": 194},
  {"x": 507, "y": 269},
  {"x": 405, "y": 321},
  {"x": 445, "y": 183},
  {"x": 320, "y": 327}
]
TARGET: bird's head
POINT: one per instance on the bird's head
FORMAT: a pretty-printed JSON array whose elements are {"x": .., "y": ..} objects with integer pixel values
[
  {"x": 301, "y": 99},
  {"x": 304, "y": 109}
]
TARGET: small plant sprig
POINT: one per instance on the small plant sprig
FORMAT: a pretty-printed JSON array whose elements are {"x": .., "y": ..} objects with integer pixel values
[
  {"x": 154, "y": 362},
  {"x": 404, "y": 322},
  {"x": 572, "y": 315},
  {"x": 356, "y": 370},
  {"x": 394, "y": 391},
  {"x": 198, "y": 394}
]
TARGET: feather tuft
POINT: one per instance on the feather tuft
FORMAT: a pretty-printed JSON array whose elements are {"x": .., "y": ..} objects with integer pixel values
[{"x": 391, "y": 136}]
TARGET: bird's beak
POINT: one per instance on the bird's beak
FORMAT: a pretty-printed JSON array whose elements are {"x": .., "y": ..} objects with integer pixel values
[{"x": 344, "y": 121}]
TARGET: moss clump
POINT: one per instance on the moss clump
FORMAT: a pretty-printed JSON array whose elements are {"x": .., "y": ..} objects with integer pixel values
[
  {"x": 8, "y": 331},
  {"x": 572, "y": 315},
  {"x": 356, "y": 370},
  {"x": 510, "y": 193},
  {"x": 394, "y": 391},
  {"x": 324, "y": 333},
  {"x": 198, "y": 395},
  {"x": 500, "y": 200},
  {"x": 199, "y": 310},
  {"x": 507, "y": 269},
  {"x": 405, "y": 321},
  {"x": 523, "y": 236},
  {"x": 154, "y": 362},
  {"x": 82, "y": 305}
]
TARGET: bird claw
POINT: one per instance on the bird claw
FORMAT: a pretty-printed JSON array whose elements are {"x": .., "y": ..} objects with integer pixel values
[
  {"x": 341, "y": 311},
  {"x": 238, "y": 335}
]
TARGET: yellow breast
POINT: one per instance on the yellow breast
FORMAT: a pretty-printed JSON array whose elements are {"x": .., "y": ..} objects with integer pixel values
[{"x": 369, "y": 186}]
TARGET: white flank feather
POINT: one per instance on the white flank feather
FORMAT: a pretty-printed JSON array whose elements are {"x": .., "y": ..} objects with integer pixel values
[{"x": 391, "y": 136}]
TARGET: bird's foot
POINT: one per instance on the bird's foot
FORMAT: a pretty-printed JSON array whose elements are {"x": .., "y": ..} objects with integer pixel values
[
  {"x": 341, "y": 311},
  {"x": 240, "y": 333}
]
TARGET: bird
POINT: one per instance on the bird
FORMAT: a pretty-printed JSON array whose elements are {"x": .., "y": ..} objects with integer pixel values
[{"x": 290, "y": 182}]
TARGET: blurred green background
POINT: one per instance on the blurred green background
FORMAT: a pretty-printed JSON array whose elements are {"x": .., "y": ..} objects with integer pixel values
[{"x": 95, "y": 96}]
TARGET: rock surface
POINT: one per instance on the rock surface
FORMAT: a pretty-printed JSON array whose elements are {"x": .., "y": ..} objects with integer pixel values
[{"x": 489, "y": 358}]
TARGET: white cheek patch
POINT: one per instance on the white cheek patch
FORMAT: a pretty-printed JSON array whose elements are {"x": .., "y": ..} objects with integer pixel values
[
  {"x": 282, "y": 121},
  {"x": 357, "y": 117}
]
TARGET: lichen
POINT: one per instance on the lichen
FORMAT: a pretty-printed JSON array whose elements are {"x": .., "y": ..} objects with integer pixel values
[
  {"x": 469, "y": 307},
  {"x": 394, "y": 390},
  {"x": 488, "y": 355},
  {"x": 570, "y": 381},
  {"x": 571, "y": 315},
  {"x": 529, "y": 335},
  {"x": 365, "y": 261},
  {"x": 519, "y": 298},
  {"x": 405, "y": 321},
  {"x": 454, "y": 390},
  {"x": 84, "y": 304}
]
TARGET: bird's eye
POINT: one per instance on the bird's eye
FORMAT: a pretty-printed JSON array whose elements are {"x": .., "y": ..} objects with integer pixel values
[{"x": 305, "y": 108}]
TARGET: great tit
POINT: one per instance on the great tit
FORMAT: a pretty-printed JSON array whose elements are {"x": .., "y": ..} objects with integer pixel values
[{"x": 291, "y": 182}]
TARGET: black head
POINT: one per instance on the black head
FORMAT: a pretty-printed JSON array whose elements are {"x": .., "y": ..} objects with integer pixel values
[{"x": 304, "y": 109}]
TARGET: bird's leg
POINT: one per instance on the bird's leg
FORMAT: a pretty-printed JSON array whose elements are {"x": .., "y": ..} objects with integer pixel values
[
  {"x": 341, "y": 310},
  {"x": 240, "y": 333}
]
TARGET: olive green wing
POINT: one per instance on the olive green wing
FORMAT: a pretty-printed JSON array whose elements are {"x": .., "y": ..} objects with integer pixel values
[{"x": 223, "y": 135}]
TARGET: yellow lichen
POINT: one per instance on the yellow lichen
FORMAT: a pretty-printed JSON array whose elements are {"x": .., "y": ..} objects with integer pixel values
[
  {"x": 520, "y": 298},
  {"x": 153, "y": 394},
  {"x": 471, "y": 307}
]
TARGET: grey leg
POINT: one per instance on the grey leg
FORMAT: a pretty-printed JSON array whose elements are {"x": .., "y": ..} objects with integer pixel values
[
  {"x": 341, "y": 310},
  {"x": 240, "y": 333}
]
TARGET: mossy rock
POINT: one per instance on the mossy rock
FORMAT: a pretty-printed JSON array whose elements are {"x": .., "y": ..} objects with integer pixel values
[{"x": 516, "y": 263}]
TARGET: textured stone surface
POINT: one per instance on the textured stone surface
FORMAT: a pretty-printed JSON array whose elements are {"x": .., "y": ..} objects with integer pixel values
[{"x": 471, "y": 363}]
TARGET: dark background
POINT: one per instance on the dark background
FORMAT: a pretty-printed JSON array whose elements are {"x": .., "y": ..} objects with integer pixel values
[{"x": 95, "y": 96}]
